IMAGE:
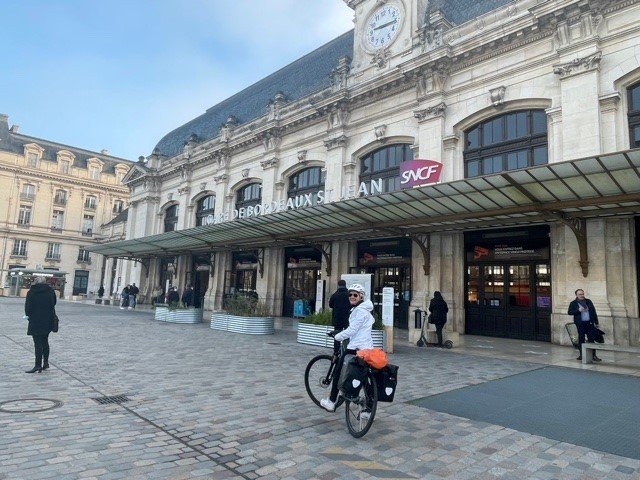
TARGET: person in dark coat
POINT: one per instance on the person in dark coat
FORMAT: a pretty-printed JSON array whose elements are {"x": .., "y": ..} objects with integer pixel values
[
  {"x": 187, "y": 297},
  {"x": 40, "y": 308},
  {"x": 101, "y": 292},
  {"x": 340, "y": 310},
  {"x": 125, "y": 297},
  {"x": 585, "y": 318},
  {"x": 173, "y": 296},
  {"x": 438, "y": 308}
]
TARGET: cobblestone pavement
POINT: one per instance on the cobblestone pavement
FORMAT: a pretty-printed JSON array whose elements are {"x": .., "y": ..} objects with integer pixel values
[{"x": 209, "y": 404}]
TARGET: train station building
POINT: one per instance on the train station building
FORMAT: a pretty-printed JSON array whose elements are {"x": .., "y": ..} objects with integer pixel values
[{"x": 487, "y": 149}]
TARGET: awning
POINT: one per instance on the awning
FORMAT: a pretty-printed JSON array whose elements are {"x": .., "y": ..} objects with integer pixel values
[{"x": 571, "y": 191}]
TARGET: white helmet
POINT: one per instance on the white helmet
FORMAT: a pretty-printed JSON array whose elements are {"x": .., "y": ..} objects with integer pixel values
[{"x": 356, "y": 287}]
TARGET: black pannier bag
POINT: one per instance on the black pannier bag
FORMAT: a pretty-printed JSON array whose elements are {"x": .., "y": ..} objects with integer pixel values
[
  {"x": 387, "y": 381},
  {"x": 353, "y": 377}
]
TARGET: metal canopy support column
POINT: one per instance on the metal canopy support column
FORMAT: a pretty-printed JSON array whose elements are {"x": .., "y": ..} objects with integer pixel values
[
  {"x": 260, "y": 257},
  {"x": 579, "y": 228},
  {"x": 423, "y": 240},
  {"x": 141, "y": 261},
  {"x": 326, "y": 248}
]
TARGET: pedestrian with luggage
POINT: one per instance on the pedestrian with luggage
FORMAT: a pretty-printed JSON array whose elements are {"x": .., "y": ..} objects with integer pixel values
[{"x": 585, "y": 318}]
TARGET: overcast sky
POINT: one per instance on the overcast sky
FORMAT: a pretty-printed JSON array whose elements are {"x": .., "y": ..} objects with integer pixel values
[{"x": 121, "y": 74}]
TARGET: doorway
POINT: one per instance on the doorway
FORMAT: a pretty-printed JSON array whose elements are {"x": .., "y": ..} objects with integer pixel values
[{"x": 302, "y": 270}]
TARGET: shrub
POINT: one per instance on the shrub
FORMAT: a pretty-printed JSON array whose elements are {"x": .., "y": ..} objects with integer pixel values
[
  {"x": 243, "y": 305},
  {"x": 323, "y": 317}
]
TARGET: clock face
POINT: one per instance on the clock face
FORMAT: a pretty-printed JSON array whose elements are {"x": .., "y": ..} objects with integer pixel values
[{"x": 383, "y": 26}]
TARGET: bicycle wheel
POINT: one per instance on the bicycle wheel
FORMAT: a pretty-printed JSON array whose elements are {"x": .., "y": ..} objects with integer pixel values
[
  {"x": 318, "y": 377},
  {"x": 360, "y": 411}
]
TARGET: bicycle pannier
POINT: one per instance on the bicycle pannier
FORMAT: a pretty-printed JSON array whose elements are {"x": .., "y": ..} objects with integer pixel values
[
  {"x": 352, "y": 378},
  {"x": 387, "y": 381}
]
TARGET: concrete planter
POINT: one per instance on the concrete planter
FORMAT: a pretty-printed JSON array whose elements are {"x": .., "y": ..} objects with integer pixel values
[
  {"x": 317, "y": 335},
  {"x": 247, "y": 325}
]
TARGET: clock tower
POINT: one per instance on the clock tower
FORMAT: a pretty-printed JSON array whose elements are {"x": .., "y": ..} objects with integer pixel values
[{"x": 384, "y": 32}]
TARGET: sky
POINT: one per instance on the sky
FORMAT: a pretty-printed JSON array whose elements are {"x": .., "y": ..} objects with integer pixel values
[{"x": 121, "y": 74}]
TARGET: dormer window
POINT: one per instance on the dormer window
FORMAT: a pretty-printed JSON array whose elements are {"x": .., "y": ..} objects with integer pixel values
[
  {"x": 65, "y": 166},
  {"x": 94, "y": 173},
  {"x": 32, "y": 159}
]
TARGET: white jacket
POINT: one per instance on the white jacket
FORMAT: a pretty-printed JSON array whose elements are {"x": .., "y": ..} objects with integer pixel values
[{"x": 359, "y": 330}]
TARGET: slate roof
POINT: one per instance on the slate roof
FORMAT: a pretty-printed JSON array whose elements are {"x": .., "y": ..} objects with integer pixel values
[
  {"x": 303, "y": 77},
  {"x": 14, "y": 142},
  {"x": 121, "y": 217}
]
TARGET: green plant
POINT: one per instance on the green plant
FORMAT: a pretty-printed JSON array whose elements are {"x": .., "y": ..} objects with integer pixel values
[
  {"x": 323, "y": 317},
  {"x": 246, "y": 306},
  {"x": 377, "y": 321}
]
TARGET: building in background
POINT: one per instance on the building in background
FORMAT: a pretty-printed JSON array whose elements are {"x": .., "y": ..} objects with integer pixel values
[
  {"x": 485, "y": 148},
  {"x": 54, "y": 200}
]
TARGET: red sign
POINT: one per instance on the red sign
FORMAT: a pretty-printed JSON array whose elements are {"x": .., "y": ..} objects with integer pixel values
[{"x": 416, "y": 172}]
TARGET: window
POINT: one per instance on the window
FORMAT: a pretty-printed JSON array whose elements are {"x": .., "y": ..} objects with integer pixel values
[
  {"x": 19, "y": 248},
  {"x": 83, "y": 255},
  {"x": 87, "y": 225},
  {"x": 249, "y": 196},
  {"x": 60, "y": 197},
  {"x": 118, "y": 206},
  {"x": 634, "y": 115},
  {"x": 171, "y": 219},
  {"x": 119, "y": 177},
  {"x": 24, "y": 215},
  {"x": 507, "y": 142},
  {"x": 53, "y": 251},
  {"x": 309, "y": 180},
  {"x": 90, "y": 202},
  {"x": 28, "y": 191},
  {"x": 32, "y": 159},
  {"x": 384, "y": 164},
  {"x": 57, "y": 220},
  {"x": 80, "y": 282},
  {"x": 94, "y": 173},
  {"x": 65, "y": 166},
  {"x": 204, "y": 210}
]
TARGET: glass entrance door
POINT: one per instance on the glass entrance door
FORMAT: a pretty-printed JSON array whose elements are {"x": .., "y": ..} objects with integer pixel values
[
  {"x": 299, "y": 292},
  {"x": 509, "y": 300}
]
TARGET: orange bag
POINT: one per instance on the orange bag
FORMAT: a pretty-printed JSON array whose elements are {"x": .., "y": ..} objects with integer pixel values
[{"x": 373, "y": 356}]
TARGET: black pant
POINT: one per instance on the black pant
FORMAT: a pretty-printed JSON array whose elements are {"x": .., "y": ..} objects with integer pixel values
[
  {"x": 41, "y": 343},
  {"x": 336, "y": 344},
  {"x": 584, "y": 330},
  {"x": 439, "y": 333},
  {"x": 336, "y": 375}
]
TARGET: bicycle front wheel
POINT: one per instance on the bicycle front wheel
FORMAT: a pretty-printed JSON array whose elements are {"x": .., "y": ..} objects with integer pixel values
[{"x": 361, "y": 411}]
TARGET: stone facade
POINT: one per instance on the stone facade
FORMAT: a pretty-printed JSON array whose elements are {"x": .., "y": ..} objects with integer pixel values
[
  {"x": 439, "y": 77},
  {"x": 55, "y": 198}
]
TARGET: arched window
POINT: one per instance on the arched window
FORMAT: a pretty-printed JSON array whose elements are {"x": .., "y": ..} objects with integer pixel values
[
  {"x": 634, "y": 115},
  {"x": 171, "y": 219},
  {"x": 506, "y": 142},
  {"x": 249, "y": 196},
  {"x": 309, "y": 180},
  {"x": 204, "y": 210},
  {"x": 384, "y": 164}
]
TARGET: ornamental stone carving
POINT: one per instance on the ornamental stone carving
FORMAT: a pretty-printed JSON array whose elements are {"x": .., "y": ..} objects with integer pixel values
[
  {"x": 245, "y": 173},
  {"x": 338, "y": 116},
  {"x": 380, "y": 132},
  {"x": 271, "y": 139},
  {"x": 227, "y": 128},
  {"x": 578, "y": 66},
  {"x": 269, "y": 163},
  {"x": 169, "y": 196},
  {"x": 302, "y": 156},
  {"x": 183, "y": 190},
  {"x": 275, "y": 106},
  {"x": 221, "y": 178},
  {"x": 338, "y": 75},
  {"x": 497, "y": 95},
  {"x": 430, "y": 112},
  {"x": 222, "y": 158},
  {"x": 203, "y": 185},
  {"x": 578, "y": 26},
  {"x": 336, "y": 142},
  {"x": 381, "y": 57},
  {"x": 432, "y": 81}
]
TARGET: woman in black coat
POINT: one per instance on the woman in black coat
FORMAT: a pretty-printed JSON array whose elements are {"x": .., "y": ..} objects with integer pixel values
[
  {"x": 40, "y": 308},
  {"x": 438, "y": 308}
]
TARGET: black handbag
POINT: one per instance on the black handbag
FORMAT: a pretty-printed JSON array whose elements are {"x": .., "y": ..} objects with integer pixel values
[
  {"x": 430, "y": 318},
  {"x": 56, "y": 323}
]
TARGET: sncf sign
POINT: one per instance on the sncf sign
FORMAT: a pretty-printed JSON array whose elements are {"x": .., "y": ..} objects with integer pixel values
[{"x": 415, "y": 173}]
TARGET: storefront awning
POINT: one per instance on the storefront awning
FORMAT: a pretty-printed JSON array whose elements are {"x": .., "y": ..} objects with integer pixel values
[{"x": 571, "y": 191}]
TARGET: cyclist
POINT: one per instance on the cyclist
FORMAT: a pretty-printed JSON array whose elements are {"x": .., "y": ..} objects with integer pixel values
[{"x": 359, "y": 334}]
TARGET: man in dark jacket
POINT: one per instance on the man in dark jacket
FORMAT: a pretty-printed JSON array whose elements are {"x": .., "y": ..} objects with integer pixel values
[
  {"x": 438, "y": 308},
  {"x": 173, "y": 297},
  {"x": 585, "y": 318},
  {"x": 133, "y": 294},
  {"x": 187, "y": 297},
  {"x": 40, "y": 308},
  {"x": 341, "y": 308}
]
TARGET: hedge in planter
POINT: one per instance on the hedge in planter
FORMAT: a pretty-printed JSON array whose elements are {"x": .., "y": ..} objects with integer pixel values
[
  {"x": 244, "y": 314},
  {"x": 312, "y": 330}
]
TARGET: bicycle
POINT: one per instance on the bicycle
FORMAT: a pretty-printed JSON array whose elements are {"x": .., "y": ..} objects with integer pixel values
[{"x": 360, "y": 411}]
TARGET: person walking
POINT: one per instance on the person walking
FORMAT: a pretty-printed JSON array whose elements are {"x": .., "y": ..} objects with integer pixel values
[
  {"x": 173, "y": 297},
  {"x": 187, "y": 297},
  {"x": 359, "y": 334},
  {"x": 585, "y": 318},
  {"x": 340, "y": 309},
  {"x": 438, "y": 308},
  {"x": 40, "y": 308},
  {"x": 133, "y": 293},
  {"x": 125, "y": 298}
]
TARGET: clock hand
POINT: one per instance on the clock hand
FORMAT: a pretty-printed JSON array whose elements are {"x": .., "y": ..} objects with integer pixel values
[{"x": 385, "y": 25}]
